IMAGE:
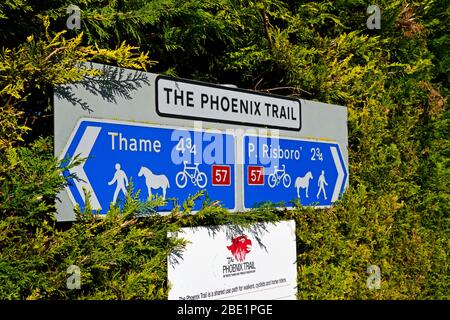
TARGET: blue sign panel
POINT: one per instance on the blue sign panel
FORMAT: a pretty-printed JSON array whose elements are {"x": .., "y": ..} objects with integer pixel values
[
  {"x": 171, "y": 162},
  {"x": 282, "y": 170}
]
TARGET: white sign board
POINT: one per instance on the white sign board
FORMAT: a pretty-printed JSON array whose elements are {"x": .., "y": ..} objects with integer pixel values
[
  {"x": 223, "y": 264},
  {"x": 187, "y": 99}
]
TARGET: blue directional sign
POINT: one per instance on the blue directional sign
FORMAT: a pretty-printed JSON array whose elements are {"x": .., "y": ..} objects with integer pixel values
[
  {"x": 171, "y": 162},
  {"x": 281, "y": 170}
]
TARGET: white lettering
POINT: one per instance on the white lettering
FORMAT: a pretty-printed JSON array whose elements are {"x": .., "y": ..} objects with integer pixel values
[
  {"x": 275, "y": 152},
  {"x": 156, "y": 145},
  {"x": 113, "y": 135},
  {"x": 134, "y": 144},
  {"x": 251, "y": 148},
  {"x": 265, "y": 151}
]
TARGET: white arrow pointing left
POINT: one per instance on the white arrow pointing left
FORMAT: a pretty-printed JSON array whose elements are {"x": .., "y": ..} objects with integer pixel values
[{"x": 83, "y": 150}]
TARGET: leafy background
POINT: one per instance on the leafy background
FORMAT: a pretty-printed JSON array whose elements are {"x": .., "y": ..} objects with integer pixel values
[{"x": 394, "y": 81}]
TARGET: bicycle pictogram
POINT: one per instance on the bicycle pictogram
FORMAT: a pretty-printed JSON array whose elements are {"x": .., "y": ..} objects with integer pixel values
[
  {"x": 279, "y": 175},
  {"x": 197, "y": 177}
]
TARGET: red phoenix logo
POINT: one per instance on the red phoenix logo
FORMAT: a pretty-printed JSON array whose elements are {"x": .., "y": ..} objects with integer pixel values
[{"x": 239, "y": 247}]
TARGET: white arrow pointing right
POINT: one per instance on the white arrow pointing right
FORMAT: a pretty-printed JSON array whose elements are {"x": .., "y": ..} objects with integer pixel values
[
  {"x": 83, "y": 150},
  {"x": 340, "y": 177}
]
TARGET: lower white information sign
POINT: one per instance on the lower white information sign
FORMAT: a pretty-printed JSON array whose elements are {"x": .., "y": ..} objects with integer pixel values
[{"x": 226, "y": 262}]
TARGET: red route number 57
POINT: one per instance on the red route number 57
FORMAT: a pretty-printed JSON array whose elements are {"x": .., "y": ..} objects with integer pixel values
[
  {"x": 255, "y": 175},
  {"x": 221, "y": 175}
]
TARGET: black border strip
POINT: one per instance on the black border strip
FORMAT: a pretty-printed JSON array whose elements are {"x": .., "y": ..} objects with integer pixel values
[
  {"x": 227, "y": 309},
  {"x": 205, "y": 84}
]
